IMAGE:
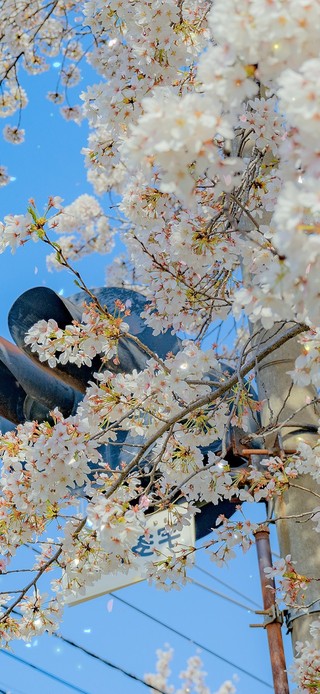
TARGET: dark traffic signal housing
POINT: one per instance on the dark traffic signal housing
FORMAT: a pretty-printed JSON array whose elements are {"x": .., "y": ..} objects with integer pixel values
[{"x": 29, "y": 389}]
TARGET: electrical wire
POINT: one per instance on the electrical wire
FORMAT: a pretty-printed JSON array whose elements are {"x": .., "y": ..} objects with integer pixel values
[
  {"x": 221, "y": 595},
  {"x": 175, "y": 631},
  {"x": 87, "y": 652},
  {"x": 190, "y": 640},
  {"x": 169, "y": 628},
  {"x": 10, "y": 688},
  {"x": 227, "y": 585},
  {"x": 43, "y": 672},
  {"x": 136, "y": 678}
]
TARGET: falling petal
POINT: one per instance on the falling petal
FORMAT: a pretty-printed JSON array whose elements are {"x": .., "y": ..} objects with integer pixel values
[{"x": 110, "y": 605}]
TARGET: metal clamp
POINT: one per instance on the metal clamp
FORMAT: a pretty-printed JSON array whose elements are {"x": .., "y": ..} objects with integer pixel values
[
  {"x": 271, "y": 615},
  {"x": 294, "y": 613}
]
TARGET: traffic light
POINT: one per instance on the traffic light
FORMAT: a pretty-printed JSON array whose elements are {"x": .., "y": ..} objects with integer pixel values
[
  {"x": 29, "y": 392},
  {"x": 42, "y": 303},
  {"x": 29, "y": 389}
]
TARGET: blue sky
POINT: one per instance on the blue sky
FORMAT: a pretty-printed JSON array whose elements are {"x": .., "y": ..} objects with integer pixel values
[{"x": 50, "y": 163}]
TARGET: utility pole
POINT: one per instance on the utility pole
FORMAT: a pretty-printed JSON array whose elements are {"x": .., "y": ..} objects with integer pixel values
[{"x": 286, "y": 405}]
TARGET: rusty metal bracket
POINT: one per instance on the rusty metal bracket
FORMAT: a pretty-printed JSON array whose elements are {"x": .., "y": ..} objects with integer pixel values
[
  {"x": 240, "y": 443},
  {"x": 237, "y": 440},
  {"x": 272, "y": 615}
]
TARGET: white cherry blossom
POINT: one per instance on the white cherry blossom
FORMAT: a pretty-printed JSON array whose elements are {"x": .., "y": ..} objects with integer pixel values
[{"x": 204, "y": 120}]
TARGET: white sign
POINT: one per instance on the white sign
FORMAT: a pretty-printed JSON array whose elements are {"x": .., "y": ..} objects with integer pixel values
[{"x": 159, "y": 538}]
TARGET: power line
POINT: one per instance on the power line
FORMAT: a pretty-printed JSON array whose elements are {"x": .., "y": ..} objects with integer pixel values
[
  {"x": 10, "y": 688},
  {"x": 190, "y": 640},
  {"x": 221, "y": 595},
  {"x": 161, "y": 623},
  {"x": 43, "y": 672},
  {"x": 136, "y": 678},
  {"x": 125, "y": 672},
  {"x": 84, "y": 650},
  {"x": 175, "y": 631},
  {"x": 227, "y": 585}
]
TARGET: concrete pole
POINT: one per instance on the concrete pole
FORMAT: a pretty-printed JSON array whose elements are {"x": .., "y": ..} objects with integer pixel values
[{"x": 282, "y": 401}]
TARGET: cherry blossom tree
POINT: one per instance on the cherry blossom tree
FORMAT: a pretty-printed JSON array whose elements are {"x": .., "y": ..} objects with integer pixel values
[
  {"x": 193, "y": 678},
  {"x": 205, "y": 121}
]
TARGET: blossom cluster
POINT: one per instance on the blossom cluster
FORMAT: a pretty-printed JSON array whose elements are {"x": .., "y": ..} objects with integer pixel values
[
  {"x": 84, "y": 227},
  {"x": 306, "y": 369},
  {"x": 40, "y": 464},
  {"x": 193, "y": 677},
  {"x": 291, "y": 584},
  {"x": 33, "y": 34},
  {"x": 306, "y": 669},
  {"x": 77, "y": 343}
]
